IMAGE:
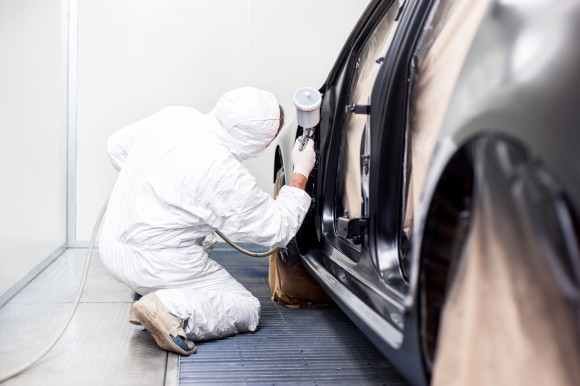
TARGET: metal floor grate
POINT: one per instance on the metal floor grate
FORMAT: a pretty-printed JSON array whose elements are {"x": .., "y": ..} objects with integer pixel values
[{"x": 306, "y": 346}]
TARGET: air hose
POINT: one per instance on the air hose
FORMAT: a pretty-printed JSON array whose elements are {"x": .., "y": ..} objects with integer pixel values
[
  {"x": 237, "y": 247},
  {"x": 26, "y": 366}
]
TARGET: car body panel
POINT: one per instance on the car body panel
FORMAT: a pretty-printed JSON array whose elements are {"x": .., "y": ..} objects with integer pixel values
[{"x": 528, "y": 83}]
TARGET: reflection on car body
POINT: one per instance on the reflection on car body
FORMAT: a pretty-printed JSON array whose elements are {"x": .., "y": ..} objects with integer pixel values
[{"x": 429, "y": 104}]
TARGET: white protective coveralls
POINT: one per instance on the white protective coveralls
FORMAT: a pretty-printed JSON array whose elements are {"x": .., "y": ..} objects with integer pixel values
[{"x": 181, "y": 179}]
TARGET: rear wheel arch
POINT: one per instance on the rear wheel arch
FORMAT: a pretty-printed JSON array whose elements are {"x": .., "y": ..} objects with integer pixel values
[{"x": 511, "y": 169}]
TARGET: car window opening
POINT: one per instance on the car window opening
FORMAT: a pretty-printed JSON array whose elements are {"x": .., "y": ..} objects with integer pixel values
[{"x": 349, "y": 198}]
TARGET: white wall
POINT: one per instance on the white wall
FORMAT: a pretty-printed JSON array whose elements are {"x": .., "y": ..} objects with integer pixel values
[
  {"x": 32, "y": 136},
  {"x": 137, "y": 56}
]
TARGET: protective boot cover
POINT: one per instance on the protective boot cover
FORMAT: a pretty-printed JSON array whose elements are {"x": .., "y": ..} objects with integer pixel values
[
  {"x": 180, "y": 179},
  {"x": 511, "y": 316},
  {"x": 164, "y": 327},
  {"x": 290, "y": 283}
]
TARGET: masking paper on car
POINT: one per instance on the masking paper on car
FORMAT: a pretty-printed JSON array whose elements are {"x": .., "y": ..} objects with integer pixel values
[
  {"x": 511, "y": 313},
  {"x": 438, "y": 59},
  {"x": 290, "y": 283},
  {"x": 375, "y": 47}
]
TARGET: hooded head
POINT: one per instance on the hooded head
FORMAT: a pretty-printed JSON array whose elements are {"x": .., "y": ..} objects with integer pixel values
[{"x": 250, "y": 119}]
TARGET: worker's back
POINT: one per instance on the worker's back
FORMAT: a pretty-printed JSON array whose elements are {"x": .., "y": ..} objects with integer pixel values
[{"x": 154, "y": 213}]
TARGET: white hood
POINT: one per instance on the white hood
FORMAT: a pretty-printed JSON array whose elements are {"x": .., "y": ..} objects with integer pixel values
[{"x": 247, "y": 120}]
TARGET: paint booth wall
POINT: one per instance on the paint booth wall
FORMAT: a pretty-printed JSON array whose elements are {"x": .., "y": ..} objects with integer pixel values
[
  {"x": 33, "y": 136},
  {"x": 136, "y": 57}
]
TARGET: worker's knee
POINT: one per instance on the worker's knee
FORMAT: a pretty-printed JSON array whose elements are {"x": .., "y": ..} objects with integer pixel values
[{"x": 247, "y": 312}]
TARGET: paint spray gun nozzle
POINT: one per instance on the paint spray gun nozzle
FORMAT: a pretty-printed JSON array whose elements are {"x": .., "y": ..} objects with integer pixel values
[
  {"x": 307, "y": 101},
  {"x": 306, "y": 135}
]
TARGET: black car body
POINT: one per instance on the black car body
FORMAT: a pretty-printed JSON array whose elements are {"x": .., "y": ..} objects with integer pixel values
[{"x": 506, "y": 121}]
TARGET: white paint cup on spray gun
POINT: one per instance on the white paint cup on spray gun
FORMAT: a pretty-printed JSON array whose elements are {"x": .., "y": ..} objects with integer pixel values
[{"x": 307, "y": 101}]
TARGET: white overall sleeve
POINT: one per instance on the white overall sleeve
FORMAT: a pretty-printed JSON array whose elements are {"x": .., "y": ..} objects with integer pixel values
[{"x": 246, "y": 213}]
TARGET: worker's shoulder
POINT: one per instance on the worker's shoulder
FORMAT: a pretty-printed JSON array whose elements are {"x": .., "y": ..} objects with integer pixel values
[
  {"x": 222, "y": 160},
  {"x": 221, "y": 155}
]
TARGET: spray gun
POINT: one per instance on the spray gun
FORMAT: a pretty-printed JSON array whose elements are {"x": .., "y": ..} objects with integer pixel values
[{"x": 307, "y": 101}]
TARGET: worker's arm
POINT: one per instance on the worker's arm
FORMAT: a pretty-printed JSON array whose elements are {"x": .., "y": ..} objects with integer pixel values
[
  {"x": 242, "y": 211},
  {"x": 298, "y": 181},
  {"x": 236, "y": 205},
  {"x": 303, "y": 161}
]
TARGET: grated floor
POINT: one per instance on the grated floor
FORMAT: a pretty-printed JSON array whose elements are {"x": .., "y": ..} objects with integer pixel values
[{"x": 305, "y": 346}]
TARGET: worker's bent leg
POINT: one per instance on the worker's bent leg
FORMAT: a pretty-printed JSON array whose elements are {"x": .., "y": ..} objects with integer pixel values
[
  {"x": 212, "y": 302},
  {"x": 219, "y": 308}
]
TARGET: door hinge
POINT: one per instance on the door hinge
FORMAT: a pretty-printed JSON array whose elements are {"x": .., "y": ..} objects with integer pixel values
[
  {"x": 358, "y": 109},
  {"x": 351, "y": 228}
]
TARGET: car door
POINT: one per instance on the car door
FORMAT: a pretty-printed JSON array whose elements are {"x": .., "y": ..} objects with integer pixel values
[{"x": 346, "y": 133}]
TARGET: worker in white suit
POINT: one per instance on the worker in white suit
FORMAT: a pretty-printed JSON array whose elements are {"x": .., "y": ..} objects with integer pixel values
[{"x": 180, "y": 179}]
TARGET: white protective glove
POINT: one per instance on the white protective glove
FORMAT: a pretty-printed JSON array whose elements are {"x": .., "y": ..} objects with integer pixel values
[{"x": 303, "y": 160}]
